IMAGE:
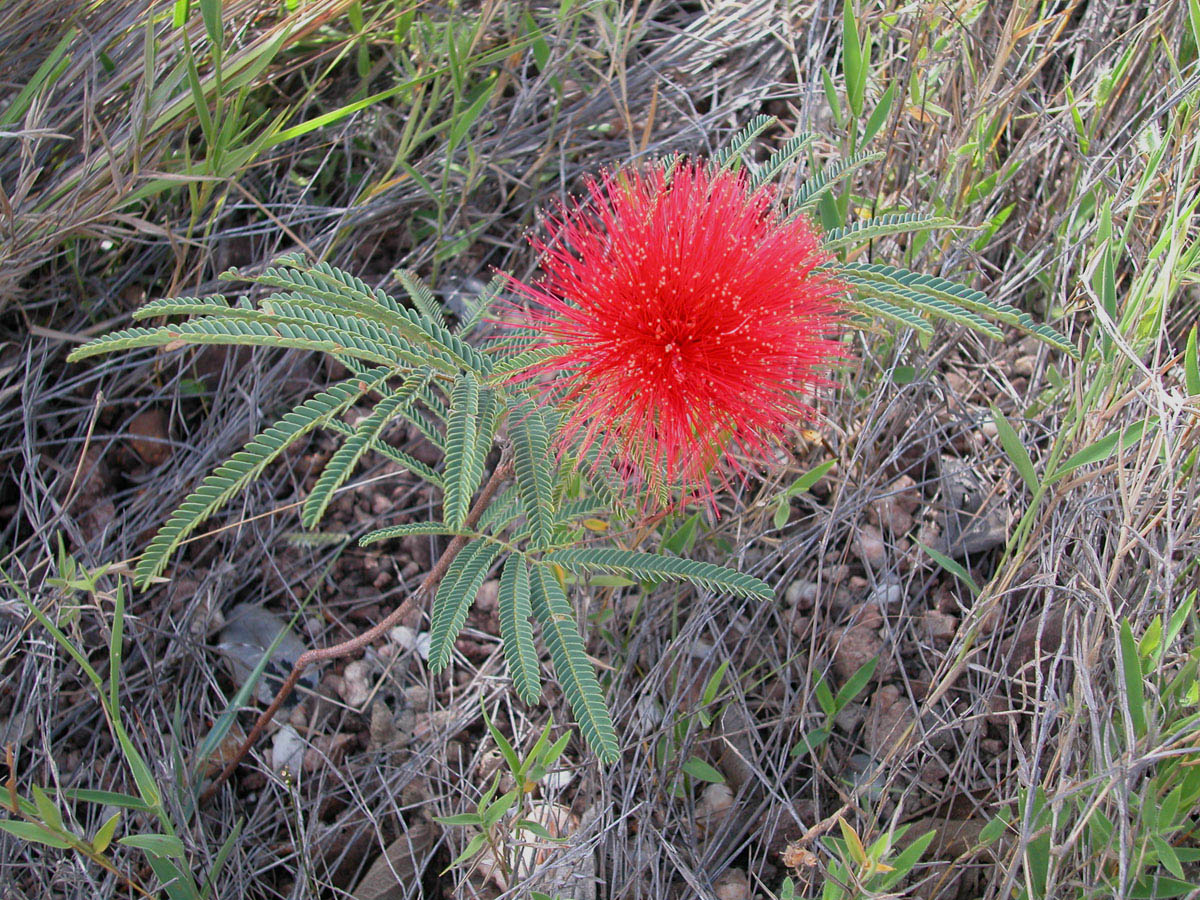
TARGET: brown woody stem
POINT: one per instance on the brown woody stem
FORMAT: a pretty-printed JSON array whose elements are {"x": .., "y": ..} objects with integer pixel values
[{"x": 337, "y": 651}]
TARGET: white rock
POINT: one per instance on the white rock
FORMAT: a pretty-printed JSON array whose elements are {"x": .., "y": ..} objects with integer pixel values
[
  {"x": 410, "y": 639},
  {"x": 287, "y": 751},
  {"x": 553, "y": 782},
  {"x": 404, "y": 636},
  {"x": 356, "y": 684}
]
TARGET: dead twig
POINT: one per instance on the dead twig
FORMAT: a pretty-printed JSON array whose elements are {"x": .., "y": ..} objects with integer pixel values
[{"x": 337, "y": 651}]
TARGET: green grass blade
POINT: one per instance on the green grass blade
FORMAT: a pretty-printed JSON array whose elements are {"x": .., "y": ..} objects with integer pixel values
[{"x": 1016, "y": 451}]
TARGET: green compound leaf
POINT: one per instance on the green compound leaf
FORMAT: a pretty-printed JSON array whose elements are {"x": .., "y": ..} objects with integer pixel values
[
  {"x": 399, "y": 457},
  {"x": 812, "y": 189},
  {"x": 518, "y": 362},
  {"x": 873, "y": 307},
  {"x": 324, "y": 282},
  {"x": 352, "y": 337},
  {"x": 879, "y": 226},
  {"x": 464, "y": 463},
  {"x": 571, "y": 664},
  {"x": 650, "y": 566},
  {"x": 246, "y": 465},
  {"x": 532, "y": 465},
  {"x": 516, "y": 631},
  {"x": 181, "y": 306},
  {"x": 729, "y": 157},
  {"x": 409, "y": 528},
  {"x": 923, "y": 303},
  {"x": 347, "y": 456},
  {"x": 420, "y": 294},
  {"x": 454, "y": 597},
  {"x": 956, "y": 295},
  {"x": 780, "y": 159}
]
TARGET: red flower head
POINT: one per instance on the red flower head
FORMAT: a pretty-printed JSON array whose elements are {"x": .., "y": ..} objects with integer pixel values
[{"x": 690, "y": 316}]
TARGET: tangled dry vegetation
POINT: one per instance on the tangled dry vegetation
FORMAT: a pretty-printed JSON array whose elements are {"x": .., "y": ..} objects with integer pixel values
[{"x": 1003, "y": 711}]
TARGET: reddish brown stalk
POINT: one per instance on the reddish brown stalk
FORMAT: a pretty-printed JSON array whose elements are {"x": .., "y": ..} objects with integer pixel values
[{"x": 503, "y": 470}]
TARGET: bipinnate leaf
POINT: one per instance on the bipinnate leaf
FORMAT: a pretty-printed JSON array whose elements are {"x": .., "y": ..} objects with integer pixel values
[
  {"x": 408, "y": 528},
  {"x": 650, "y": 566},
  {"x": 405, "y": 460},
  {"x": 347, "y": 456},
  {"x": 454, "y": 597},
  {"x": 516, "y": 631},
  {"x": 532, "y": 467},
  {"x": 464, "y": 462},
  {"x": 879, "y": 226},
  {"x": 246, "y": 465},
  {"x": 873, "y": 307},
  {"x": 729, "y": 156},
  {"x": 420, "y": 294},
  {"x": 921, "y": 287},
  {"x": 818, "y": 184},
  {"x": 778, "y": 160},
  {"x": 925, "y": 304},
  {"x": 334, "y": 286},
  {"x": 571, "y": 663}
]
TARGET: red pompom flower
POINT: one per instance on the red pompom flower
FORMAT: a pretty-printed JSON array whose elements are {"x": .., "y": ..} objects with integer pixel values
[{"x": 689, "y": 315}]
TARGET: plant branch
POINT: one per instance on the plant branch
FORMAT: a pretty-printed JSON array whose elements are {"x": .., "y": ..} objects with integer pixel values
[{"x": 337, "y": 651}]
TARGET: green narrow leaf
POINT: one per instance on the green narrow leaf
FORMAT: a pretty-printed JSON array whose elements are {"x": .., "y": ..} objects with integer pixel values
[
  {"x": 879, "y": 116},
  {"x": 514, "y": 610},
  {"x": 47, "y": 73},
  {"x": 1105, "y": 447},
  {"x": 104, "y": 798},
  {"x": 31, "y": 831},
  {"x": 47, "y": 809},
  {"x": 1016, "y": 450},
  {"x": 702, "y": 771},
  {"x": 650, "y": 566},
  {"x": 532, "y": 461},
  {"x": 347, "y": 456},
  {"x": 907, "y": 859},
  {"x": 853, "y": 65},
  {"x": 454, "y": 597},
  {"x": 571, "y": 664},
  {"x": 854, "y": 685},
  {"x": 158, "y": 844},
  {"x": 463, "y": 467},
  {"x": 951, "y": 566},
  {"x": 466, "y": 117},
  {"x": 1191, "y": 359},
  {"x": 809, "y": 478},
  {"x": 104, "y": 834},
  {"x": 1131, "y": 672},
  {"x": 220, "y": 859}
]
